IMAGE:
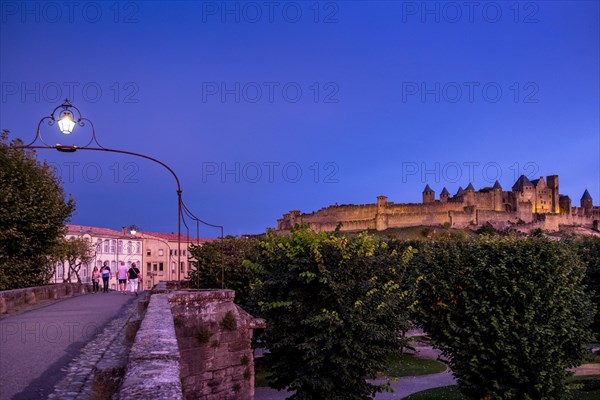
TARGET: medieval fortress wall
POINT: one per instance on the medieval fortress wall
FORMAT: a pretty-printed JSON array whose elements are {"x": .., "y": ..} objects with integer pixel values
[{"x": 531, "y": 203}]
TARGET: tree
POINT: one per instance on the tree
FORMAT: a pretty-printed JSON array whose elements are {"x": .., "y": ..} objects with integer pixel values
[
  {"x": 33, "y": 213},
  {"x": 335, "y": 307},
  {"x": 588, "y": 248},
  {"x": 232, "y": 258},
  {"x": 510, "y": 314},
  {"x": 73, "y": 252}
]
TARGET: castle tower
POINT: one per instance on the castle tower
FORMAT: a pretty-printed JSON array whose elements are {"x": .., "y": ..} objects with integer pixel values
[
  {"x": 469, "y": 195},
  {"x": 564, "y": 203},
  {"x": 498, "y": 203},
  {"x": 444, "y": 195},
  {"x": 586, "y": 202},
  {"x": 552, "y": 184},
  {"x": 381, "y": 217},
  {"x": 428, "y": 195}
]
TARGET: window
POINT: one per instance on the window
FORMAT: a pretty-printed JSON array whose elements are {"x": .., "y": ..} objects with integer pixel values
[
  {"x": 120, "y": 247},
  {"x": 129, "y": 247},
  {"x": 139, "y": 248},
  {"x": 181, "y": 267},
  {"x": 170, "y": 252},
  {"x": 148, "y": 269},
  {"x": 184, "y": 252},
  {"x": 155, "y": 267},
  {"x": 160, "y": 252},
  {"x": 148, "y": 252},
  {"x": 99, "y": 246},
  {"x": 106, "y": 244},
  {"x": 112, "y": 246},
  {"x": 161, "y": 268}
]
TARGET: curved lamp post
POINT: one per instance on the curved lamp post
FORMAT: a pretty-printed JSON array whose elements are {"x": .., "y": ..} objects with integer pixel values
[{"x": 67, "y": 117}]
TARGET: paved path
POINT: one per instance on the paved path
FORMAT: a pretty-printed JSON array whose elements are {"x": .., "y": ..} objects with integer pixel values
[
  {"x": 37, "y": 345},
  {"x": 403, "y": 387}
]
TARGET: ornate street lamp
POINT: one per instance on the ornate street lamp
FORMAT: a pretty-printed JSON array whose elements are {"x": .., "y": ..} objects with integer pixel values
[{"x": 67, "y": 117}]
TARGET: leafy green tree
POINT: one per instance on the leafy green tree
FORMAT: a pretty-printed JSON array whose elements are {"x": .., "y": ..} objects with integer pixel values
[
  {"x": 73, "y": 252},
  {"x": 335, "y": 307},
  {"x": 510, "y": 314},
  {"x": 231, "y": 260},
  {"x": 33, "y": 213},
  {"x": 588, "y": 248}
]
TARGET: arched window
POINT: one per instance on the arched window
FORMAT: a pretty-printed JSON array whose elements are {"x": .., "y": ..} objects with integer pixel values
[
  {"x": 106, "y": 244},
  {"x": 99, "y": 246},
  {"x": 112, "y": 246},
  {"x": 129, "y": 247}
]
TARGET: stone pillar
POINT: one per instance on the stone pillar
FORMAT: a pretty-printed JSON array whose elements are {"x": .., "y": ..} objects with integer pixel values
[{"x": 214, "y": 337}]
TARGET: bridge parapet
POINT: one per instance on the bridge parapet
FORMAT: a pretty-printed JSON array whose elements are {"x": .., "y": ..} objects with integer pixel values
[
  {"x": 192, "y": 344},
  {"x": 153, "y": 367},
  {"x": 17, "y": 299}
]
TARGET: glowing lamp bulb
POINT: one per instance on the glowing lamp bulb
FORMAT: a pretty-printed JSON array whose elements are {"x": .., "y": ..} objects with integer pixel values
[{"x": 66, "y": 123}]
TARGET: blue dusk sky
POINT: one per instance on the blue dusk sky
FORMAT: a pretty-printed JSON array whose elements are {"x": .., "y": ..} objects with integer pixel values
[{"x": 265, "y": 107}]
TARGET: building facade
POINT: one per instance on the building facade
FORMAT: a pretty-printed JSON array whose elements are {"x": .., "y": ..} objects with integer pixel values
[
  {"x": 106, "y": 245},
  {"x": 154, "y": 253},
  {"x": 160, "y": 256},
  {"x": 535, "y": 203}
]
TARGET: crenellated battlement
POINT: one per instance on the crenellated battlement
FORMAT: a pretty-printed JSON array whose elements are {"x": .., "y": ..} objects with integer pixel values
[{"x": 525, "y": 203}]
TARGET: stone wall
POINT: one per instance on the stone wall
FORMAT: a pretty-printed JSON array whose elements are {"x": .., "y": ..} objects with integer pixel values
[
  {"x": 12, "y": 300},
  {"x": 153, "y": 369},
  {"x": 214, "y": 337}
]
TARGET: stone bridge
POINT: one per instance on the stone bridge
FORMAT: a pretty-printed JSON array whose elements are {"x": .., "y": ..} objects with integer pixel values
[{"x": 192, "y": 344}]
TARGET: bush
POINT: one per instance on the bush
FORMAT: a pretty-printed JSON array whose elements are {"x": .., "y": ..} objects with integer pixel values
[
  {"x": 335, "y": 305},
  {"x": 509, "y": 314},
  {"x": 230, "y": 259},
  {"x": 588, "y": 248}
]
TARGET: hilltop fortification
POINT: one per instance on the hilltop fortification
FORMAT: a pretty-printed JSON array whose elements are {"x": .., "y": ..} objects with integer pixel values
[{"x": 534, "y": 203}]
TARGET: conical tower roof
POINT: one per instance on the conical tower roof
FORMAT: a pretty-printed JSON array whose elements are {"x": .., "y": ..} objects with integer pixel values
[
  {"x": 470, "y": 187},
  {"x": 497, "y": 186},
  {"x": 521, "y": 183},
  {"x": 427, "y": 189},
  {"x": 445, "y": 192},
  {"x": 586, "y": 195}
]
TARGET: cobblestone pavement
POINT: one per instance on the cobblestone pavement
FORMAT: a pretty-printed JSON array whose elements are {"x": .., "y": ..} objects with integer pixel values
[
  {"x": 56, "y": 349},
  {"x": 103, "y": 359}
]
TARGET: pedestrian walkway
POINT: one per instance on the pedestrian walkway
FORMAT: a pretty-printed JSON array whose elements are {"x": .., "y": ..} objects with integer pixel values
[
  {"x": 403, "y": 387},
  {"x": 36, "y": 345}
]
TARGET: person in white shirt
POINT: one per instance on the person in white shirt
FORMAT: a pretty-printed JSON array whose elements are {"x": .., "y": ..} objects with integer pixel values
[{"x": 122, "y": 277}]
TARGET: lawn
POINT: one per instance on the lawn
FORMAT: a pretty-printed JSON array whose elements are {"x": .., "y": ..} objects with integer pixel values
[
  {"x": 452, "y": 393},
  {"x": 397, "y": 366},
  {"x": 408, "y": 365}
]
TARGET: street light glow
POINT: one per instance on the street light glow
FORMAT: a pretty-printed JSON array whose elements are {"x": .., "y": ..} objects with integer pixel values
[{"x": 66, "y": 123}]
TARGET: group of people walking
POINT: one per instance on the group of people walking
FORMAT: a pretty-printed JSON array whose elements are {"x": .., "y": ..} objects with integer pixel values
[{"x": 124, "y": 274}]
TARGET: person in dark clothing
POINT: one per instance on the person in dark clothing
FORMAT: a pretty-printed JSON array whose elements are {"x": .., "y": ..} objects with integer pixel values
[
  {"x": 133, "y": 275},
  {"x": 106, "y": 275}
]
